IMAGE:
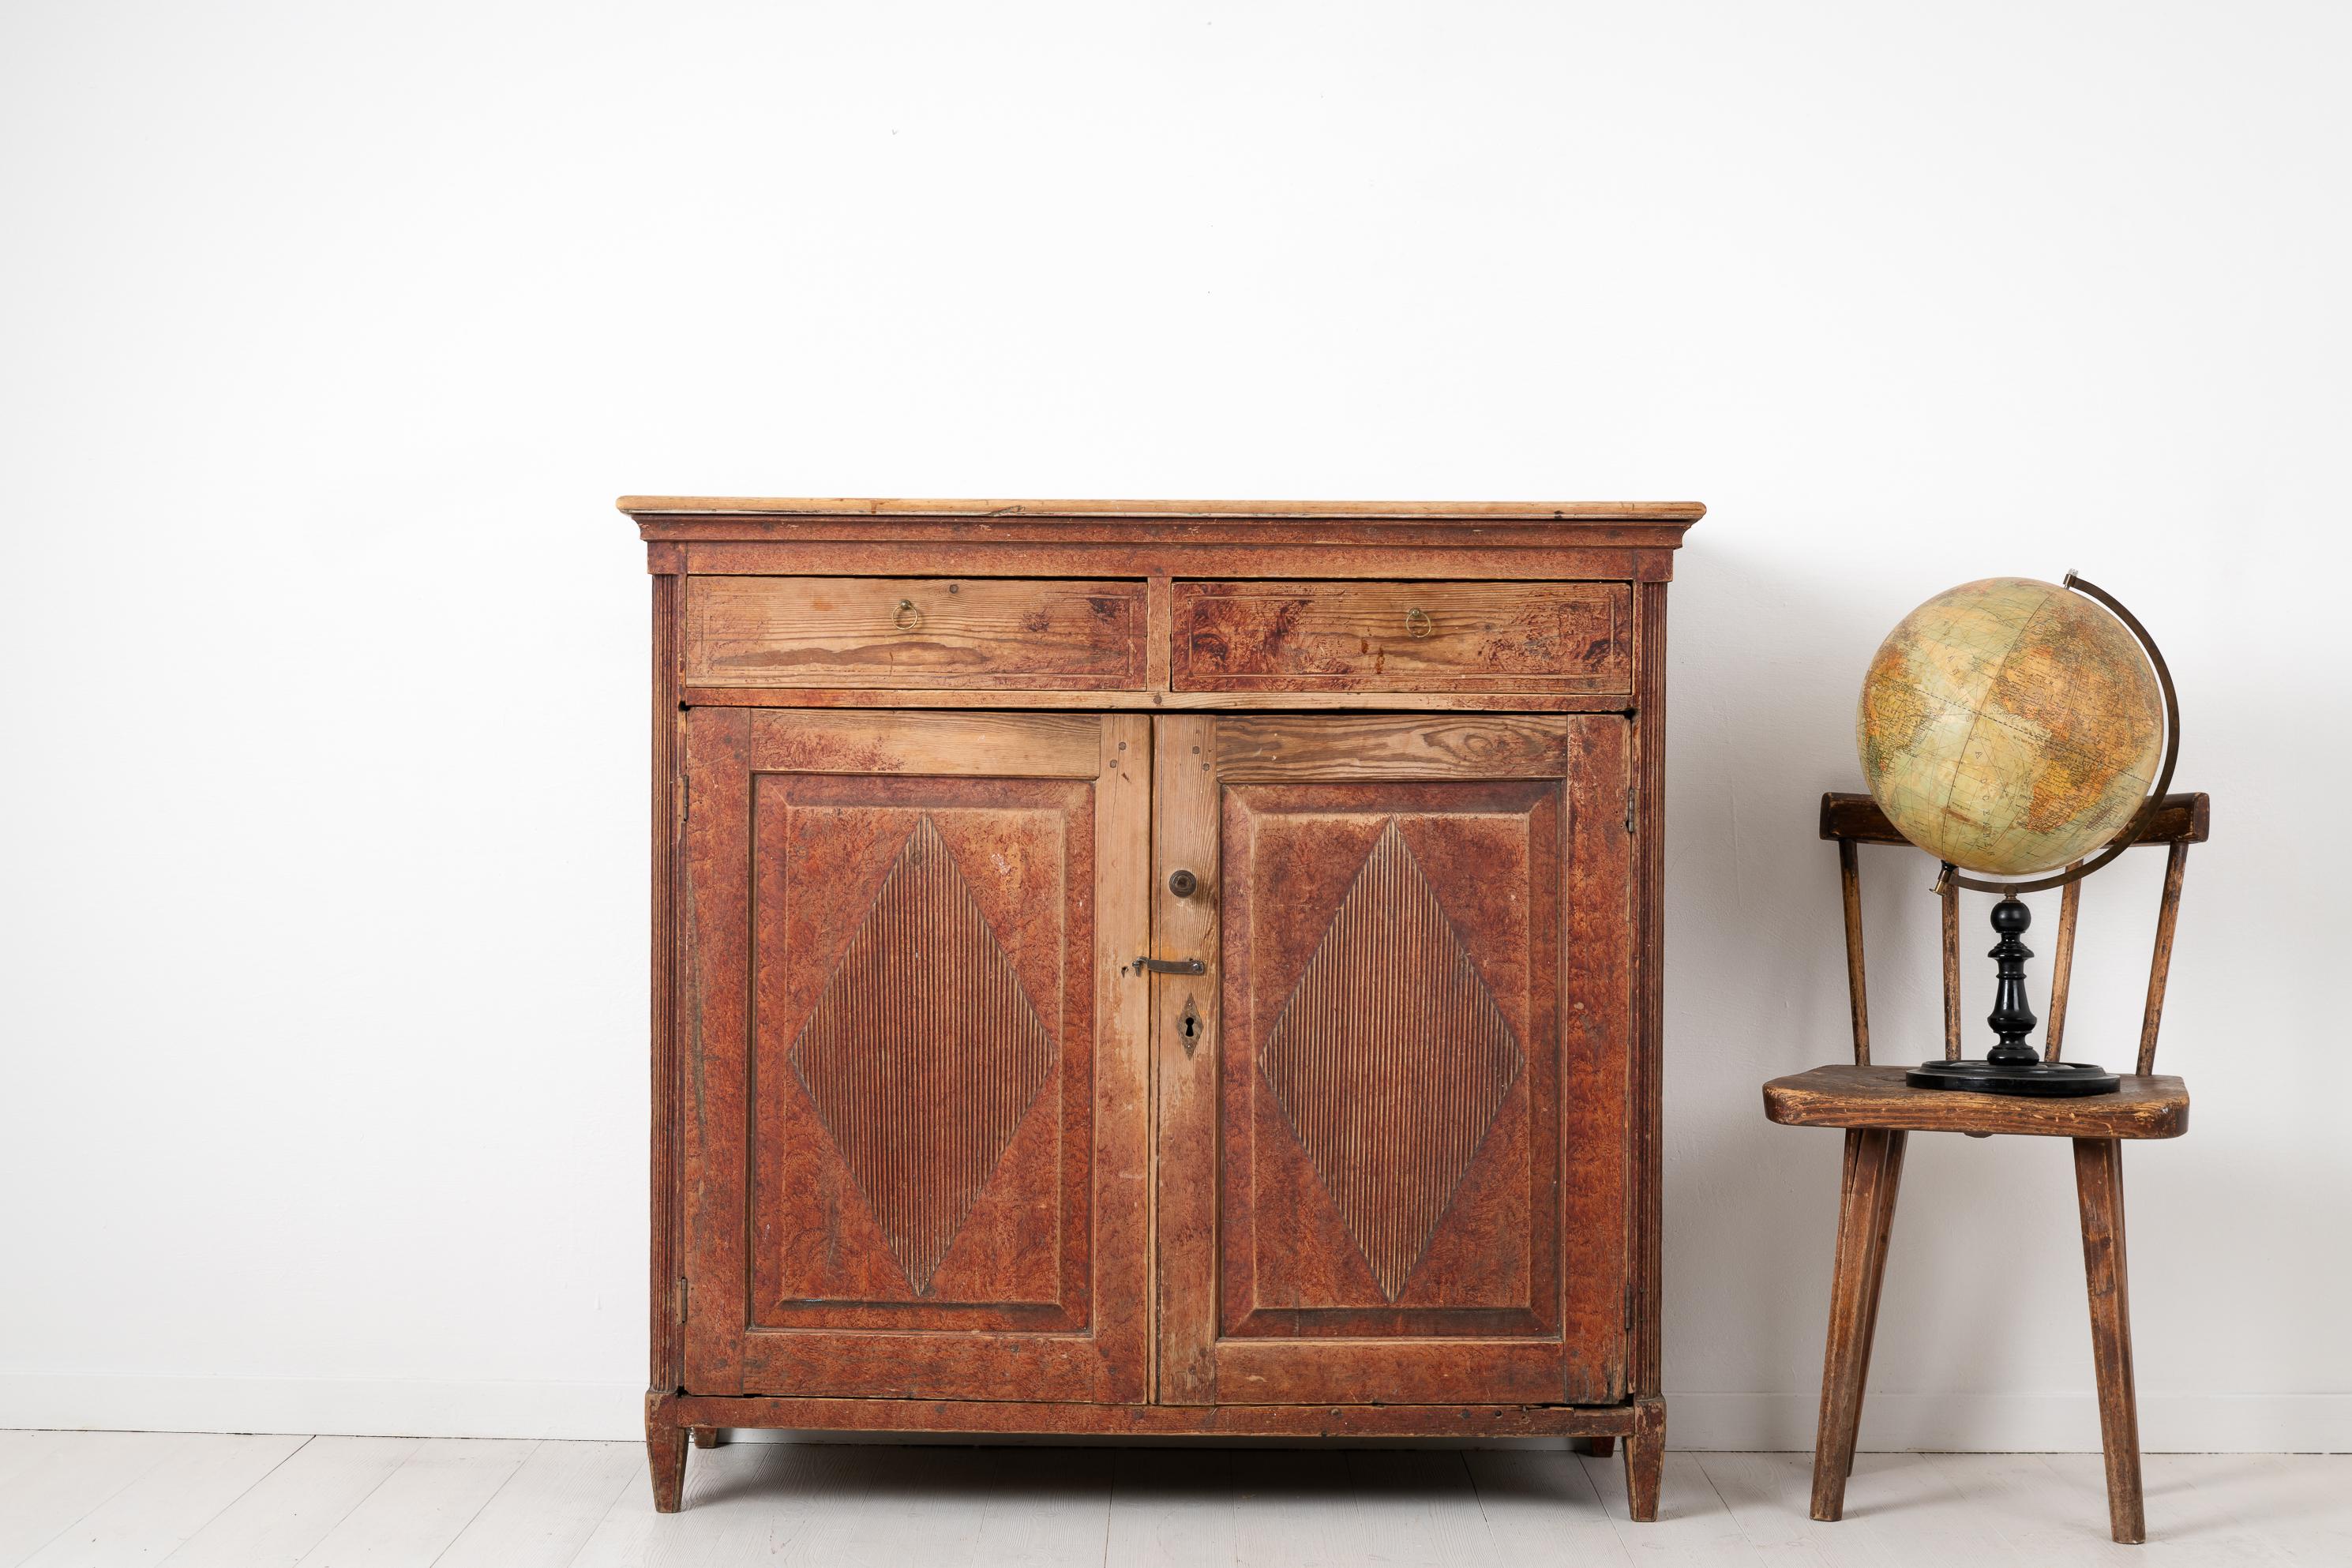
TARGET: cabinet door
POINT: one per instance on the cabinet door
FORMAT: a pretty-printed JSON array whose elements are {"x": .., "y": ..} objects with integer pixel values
[
  {"x": 914, "y": 1100},
  {"x": 1394, "y": 1110}
]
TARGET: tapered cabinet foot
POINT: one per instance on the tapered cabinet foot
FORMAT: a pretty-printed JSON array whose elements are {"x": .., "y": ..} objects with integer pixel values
[
  {"x": 2099, "y": 1181},
  {"x": 665, "y": 1453},
  {"x": 709, "y": 1437},
  {"x": 1645, "y": 1458},
  {"x": 1596, "y": 1448},
  {"x": 1874, "y": 1171}
]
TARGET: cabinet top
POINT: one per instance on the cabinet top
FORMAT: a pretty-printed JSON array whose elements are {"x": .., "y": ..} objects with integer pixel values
[{"x": 1677, "y": 514}]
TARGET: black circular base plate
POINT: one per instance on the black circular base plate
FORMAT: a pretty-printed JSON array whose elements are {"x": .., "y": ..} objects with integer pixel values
[{"x": 2049, "y": 1080}]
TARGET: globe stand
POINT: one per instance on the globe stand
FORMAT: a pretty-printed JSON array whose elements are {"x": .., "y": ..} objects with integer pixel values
[{"x": 2013, "y": 1066}]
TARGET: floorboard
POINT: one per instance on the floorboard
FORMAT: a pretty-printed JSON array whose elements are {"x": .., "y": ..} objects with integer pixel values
[
  {"x": 18, "y": 1449},
  {"x": 1173, "y": 1508},
  {"x": 2037, "y": 1514},
  {"x": 410, "y": 1520},
  {"x": 746, "y": 1502},
  {"x": 873, "y": 1507},
  {"x": 546, "y": 1511},
  {"x": 151, "y": 1517},
  {"x": 1540, "y": 1509},
  {"x": 1291, "y": 1506},
  {"x": 1416, "y": 1506},
  {"x": 67, "y": 1475},
  {"x": 276, "y": 1522},
  {"x": 1049, "y": 1508},
  {"x": 1693, "y": 1527},
  {"x": 1906, "y": 1504},
  {"x": 95, "y": 1499}
]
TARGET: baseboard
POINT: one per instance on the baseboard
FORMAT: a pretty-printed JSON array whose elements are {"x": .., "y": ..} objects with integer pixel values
[
  {"x": 1964, "y": 1423},
  {"x": 2026, "y": 1423},
  {"x": 374, "y": 1408}
]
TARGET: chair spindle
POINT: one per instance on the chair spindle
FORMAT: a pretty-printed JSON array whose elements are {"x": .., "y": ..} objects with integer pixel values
[
  {"x": 2062, "y": 973},
  {"x": 2168, "y": 914},
  {"x": 1849, "y": 882},
  {"x": 1852, "y": 820}
]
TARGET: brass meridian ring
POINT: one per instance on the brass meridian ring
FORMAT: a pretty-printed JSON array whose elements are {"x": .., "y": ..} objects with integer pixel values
[{"x": 2130, "y": 832}]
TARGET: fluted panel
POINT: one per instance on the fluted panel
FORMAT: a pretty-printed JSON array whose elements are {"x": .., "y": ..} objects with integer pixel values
[
  {"x": 923, "y": 1054},
  {"x": 1390, "y": 1061}
]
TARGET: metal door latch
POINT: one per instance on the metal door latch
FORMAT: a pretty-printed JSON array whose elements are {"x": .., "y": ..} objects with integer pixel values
[{"x": 1170, "y": 966}]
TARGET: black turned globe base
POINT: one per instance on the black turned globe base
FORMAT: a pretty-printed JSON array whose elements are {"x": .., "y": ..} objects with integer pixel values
[
  {"x": 2049, "y": 1080},
  {"x": 2013, "y": 1066}
]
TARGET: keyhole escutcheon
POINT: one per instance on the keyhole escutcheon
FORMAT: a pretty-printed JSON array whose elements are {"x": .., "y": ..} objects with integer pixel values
[{"x": 1189, "y": 1026}]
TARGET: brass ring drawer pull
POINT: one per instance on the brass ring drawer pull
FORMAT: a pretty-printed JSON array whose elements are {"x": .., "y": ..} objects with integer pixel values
[
  {"x": 908, "y": 617},
  {"x": 1416, "y": 622}
]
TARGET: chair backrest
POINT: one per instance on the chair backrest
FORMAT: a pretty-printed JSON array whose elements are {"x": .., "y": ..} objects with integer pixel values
[{"x": 1852, "y": 820}]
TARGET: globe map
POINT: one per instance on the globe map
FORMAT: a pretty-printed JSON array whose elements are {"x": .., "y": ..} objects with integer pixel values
[{"x": 2009, "y": 726}]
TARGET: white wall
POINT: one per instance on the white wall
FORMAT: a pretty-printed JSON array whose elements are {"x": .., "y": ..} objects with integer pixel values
[{"x": 332, "y": 332}]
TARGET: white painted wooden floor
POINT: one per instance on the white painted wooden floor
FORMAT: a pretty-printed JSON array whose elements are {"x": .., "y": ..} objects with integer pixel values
[{"x": 201, "y": 1500}]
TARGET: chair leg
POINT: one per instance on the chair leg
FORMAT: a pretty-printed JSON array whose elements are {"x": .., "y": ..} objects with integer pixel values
[
  {"x": 665, "y": 1453},
  {"x": 1874, "y": 1167},
  {"x": 1897, "y": 1142},
  {"x": 2099, "y": 1181}
]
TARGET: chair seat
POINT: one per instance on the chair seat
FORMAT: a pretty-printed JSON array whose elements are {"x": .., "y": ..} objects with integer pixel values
[{"x": 2150, "y": 1107}]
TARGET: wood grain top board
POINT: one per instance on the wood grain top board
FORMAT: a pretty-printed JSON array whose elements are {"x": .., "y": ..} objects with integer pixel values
[{"x": 1402, "y": 511}]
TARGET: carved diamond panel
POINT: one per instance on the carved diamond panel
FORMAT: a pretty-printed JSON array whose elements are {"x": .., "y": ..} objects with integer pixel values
[
  {"x": 923, "y": 1054},
  {"x": 1390, "y": 1061}
]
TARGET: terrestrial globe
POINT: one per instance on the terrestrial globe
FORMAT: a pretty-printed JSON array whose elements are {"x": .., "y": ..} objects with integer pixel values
[
  {"x": 2009, "y": 727},
  {"x": 2012, "y": 727}
]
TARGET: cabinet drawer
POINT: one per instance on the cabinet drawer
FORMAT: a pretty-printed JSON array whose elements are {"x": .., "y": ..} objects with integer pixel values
[
  {"x": 905, "y": 633},
  {"x": 1402, "y": 637}
]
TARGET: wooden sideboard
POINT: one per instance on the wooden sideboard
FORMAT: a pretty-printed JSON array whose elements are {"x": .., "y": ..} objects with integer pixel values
[{"x": 1157, "y": 967}]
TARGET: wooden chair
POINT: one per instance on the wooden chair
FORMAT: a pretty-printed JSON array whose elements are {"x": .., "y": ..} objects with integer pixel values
[{"x": 1878, "y": 1112}]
